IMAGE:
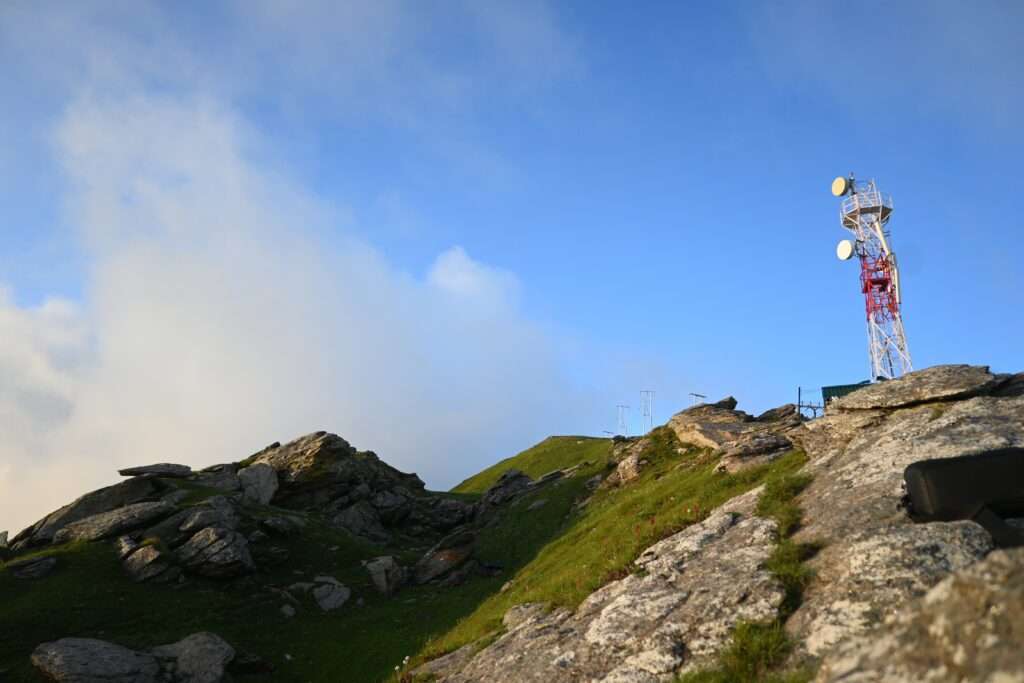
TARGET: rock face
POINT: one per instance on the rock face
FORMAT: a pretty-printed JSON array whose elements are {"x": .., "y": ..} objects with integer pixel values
[
  {"x": 259, "y": 482},
  {"x": 199, "y": 658},
  {"x": 115, "y": 522},
  {"x": 511, "y": 483},
  {"x": 646, "y": 627},
  {"x": 361, "y": 519},
  {"x": 217, "y": 553},
  {"x": 969, "y": 627},
  {"x": 163, "y": 469}
]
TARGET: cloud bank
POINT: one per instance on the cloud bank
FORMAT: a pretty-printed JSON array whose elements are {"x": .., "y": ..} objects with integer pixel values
[{"x": 217, "y": 319}]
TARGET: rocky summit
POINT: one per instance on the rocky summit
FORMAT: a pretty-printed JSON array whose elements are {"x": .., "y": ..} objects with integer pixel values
[{"x": 721, "y": 546}]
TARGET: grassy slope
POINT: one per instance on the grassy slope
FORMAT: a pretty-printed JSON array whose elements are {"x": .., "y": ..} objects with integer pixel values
[
  {"x": 599, "y": 542},
  {"x": 553, "y": 453},
  {"x": 89, "y": 596}
]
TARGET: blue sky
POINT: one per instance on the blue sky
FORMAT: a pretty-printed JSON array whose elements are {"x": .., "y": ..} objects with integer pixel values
[{"x": 496, "y": 219}]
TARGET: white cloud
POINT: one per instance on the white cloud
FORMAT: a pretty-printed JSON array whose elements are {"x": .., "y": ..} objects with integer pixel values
[{"x": 215, "y": 321}]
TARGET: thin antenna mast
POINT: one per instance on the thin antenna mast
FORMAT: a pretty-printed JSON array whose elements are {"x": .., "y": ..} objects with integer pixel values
[
  {"x": 647, "y": 409},
  {"x": 623, "y": 419}
]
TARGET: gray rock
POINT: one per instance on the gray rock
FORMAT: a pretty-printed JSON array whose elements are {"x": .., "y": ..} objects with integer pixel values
[
  {"x": 32, "y": 567},
  {"x": 86, "y": 660},
  {"x": 168, "y": 530},
  {"x": 751, "y": 449},
  {"x": 937, "y": 383},
  {"x": 125, "y": 545},
  {"x": 175, "y": 497},
  {"x": 3, "y": 539},
  {"x": 537, "y": 504},
  {"x": 969, "y": 627},
  {"x": 361, "y": 519},
  {"x": 1011, "y": 385},
  {"x": 711, "y": 425},
  {"x": 863, "y": 580},
  {"x": 257, "y": 537},
  {"x": 510, "y": 484},
  {"x": 115, "y": 522},
  {"x": 448, "y": 554},
  {"x": 149, "y": 564},
  {"x": 675, "y": 616},
  {"x": 217, "y": 553},
  {"x": 198, "y": 658},
  {"x": 387, "y": 575},
  {"x": 259, "y": 482},
  {"x": 214, "y": 512},
  {"x": 445, "y": 665},
  {"x": 331, "y": 596},
  {"x": 392, "y": 506},
  {"x": 288, "y": 611},
  {"x": 163, "y": 469},
  {"x": 281, "y": 525},
  {"x": 99, "y": 501},
  {"x": 448, "y": 513},
  {"x": 221, "y": 477}
]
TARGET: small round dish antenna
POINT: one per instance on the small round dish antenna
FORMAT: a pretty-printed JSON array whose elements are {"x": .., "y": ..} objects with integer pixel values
[
  {"x": 844, "y": 250},
  {"x": 840, "y": 186}
]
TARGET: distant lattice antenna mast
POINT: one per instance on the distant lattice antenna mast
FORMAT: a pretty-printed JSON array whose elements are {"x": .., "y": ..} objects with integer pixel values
[
  {"x": 623, "y": 426},
  {"x": 865, "y": 213},
  {"x": 647, "y": 409}
]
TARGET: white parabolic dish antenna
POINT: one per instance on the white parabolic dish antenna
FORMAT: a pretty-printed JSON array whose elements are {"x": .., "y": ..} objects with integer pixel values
[
  {"x": 844, "y": 250},
  {"x": 839, "y": 186}
]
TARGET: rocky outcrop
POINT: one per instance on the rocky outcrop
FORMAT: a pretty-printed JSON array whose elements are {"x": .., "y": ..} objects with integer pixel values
[
  {"x": 163, "y": 469},
  {"x": 217, "y": 553},
  {"x": 510, "y": 484},
  {"x": 199, "y": 658},
  {"x": 675, "y": 615},
  {"x": 112, "y": 523},
  {"x": 259, "y": 482},
  {"x": 103, "y": 500},
  {"x": 968, "y": 627},
  {"x": 938, "y": 383},
  {"x": 223, "y": 477},
  {"x": 751, "y": 449},
  {"x": 362, "y": 519},
  {"x": 148, "y": 563}
]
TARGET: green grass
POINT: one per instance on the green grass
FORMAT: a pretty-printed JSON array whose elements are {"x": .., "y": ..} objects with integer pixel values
[
  {"x": 599, "y": 543},
  {"x": 758, "y": 650},
  {"x": 553, "y": 453}
]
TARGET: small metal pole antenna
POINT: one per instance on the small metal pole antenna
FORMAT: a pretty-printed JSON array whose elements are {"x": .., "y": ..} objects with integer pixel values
[
  {"x": 623, "y": 419},
  {"x": 697, "y": 398},
  {"x": 647, "y": 409}
]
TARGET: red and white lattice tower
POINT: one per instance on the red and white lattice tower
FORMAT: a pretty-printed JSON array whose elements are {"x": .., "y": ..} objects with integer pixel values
[{"x": 865, "y": 212}]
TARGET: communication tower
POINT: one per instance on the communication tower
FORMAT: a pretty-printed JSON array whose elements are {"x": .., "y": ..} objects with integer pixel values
[
  {"x": 623, "y": 425},
  {"x": 647, "y": 409},
  {"x": 865, "y": 212}
]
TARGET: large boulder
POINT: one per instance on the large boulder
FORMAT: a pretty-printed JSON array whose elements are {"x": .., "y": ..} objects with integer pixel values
[
  {"x": 217, "y": 553},
  {"x": 968, "y": 627},
  {"x": 387, "y": 575},
  {"x": 259, "y": 482},
  {"x": 751, "y": 449},
  {"x": 112, "y": 523},
  {"x": 103, "y": 500},
  {"x": 162, "y": 469},
  {"x": 329, "y": 593},
  {"x": 199, "y": 658},
  {"x": 711, "y": 425},
  {"x": 937, "y": 383},
  {"x": 510, "y": 484},
  {"x": 87, "y": 660},
  {"x": 448, "y": 554}
]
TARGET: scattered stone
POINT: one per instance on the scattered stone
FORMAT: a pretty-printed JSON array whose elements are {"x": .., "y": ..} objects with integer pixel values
[
  {"x": 280, "y": 525},
  {"x": 114, "y": 522},
  {"x": 331, "y": 596},
  {"x": 937, "y": 383},
  {"x": 301, "y": 587},
  {"x": 149, "y": 564},
  {"x": 259, "y": 482},
  {"x": 387, "y": 575},
  {"x": 257, "y": 537},
  {"x": 288, "y": 611},
  {"x": 32, "y": 567},
  {"x": 163, "y": 469},
  {"x": 446, "y": 555},
  {"x": 87, "y": 660},
  {"x": 968, "y": 627},
  {"x": 217, "y": 553},
  {"x": 537, "y": 504},
  {"x": 198, "y": 658}
]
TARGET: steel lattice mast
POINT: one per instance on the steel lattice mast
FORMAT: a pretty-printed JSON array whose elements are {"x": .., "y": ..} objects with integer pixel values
[{"x": 865, "y": 213}]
